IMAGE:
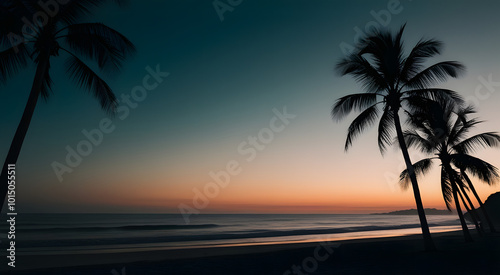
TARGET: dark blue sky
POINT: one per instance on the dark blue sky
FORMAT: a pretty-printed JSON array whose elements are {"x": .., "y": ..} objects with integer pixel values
[{"x": 225, "y": 79}]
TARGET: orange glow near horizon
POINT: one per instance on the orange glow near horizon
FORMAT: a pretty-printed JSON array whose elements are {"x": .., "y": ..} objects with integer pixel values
[
  {"x": 311, "y": 179},
  {"x": 248, "y": 198},
  {"x": 239, "y": 197}
]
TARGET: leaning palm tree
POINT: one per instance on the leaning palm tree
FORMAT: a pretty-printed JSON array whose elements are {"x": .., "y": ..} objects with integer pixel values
[
  {"x": 440, "y": 128},
  {"x": 481, "y": 205},
  {"x": 393, "y": 80},
  {"x": 61, "y": 33},
  {"x": 469, "y": 207}
]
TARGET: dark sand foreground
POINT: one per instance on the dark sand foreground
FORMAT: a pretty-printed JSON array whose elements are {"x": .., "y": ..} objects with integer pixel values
[{"x": 394, "y": 255}]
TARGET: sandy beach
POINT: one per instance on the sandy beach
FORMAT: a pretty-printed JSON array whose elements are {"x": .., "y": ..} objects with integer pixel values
[{"x": 393, "y": 255}]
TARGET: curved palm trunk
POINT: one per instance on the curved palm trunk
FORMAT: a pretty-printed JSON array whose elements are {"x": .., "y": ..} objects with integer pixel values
[
  {"x": 22, "y": 128},
  {"x": 465, "y": 229},
  {"x": 481, "y": 205},
  {"x": 428, "y": 242},
  {"x": 470, "y": 210}
]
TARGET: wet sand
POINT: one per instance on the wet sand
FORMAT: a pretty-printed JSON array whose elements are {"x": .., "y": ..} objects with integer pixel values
[{"x": 392, "y": 255}]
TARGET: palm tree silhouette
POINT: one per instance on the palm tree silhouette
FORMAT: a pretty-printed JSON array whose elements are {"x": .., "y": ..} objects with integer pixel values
[
  {"x": 60, "y": 33},
  {"x": 441, "y": 128},
  {"x": 393, "y": 80},
  {"x": 483, "y": 209}
]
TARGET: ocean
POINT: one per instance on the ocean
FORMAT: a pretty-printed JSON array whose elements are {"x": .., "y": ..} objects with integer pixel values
[{"x": 38, "y": 234}]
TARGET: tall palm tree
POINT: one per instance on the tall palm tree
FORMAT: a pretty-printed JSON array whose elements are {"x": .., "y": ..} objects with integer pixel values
[
  {"x": 61, "y": 33},
  {"x": 441, "y": 129},
  {"x": 393, "y": 80}
]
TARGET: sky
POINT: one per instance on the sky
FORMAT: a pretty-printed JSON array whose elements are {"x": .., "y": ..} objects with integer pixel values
[{"x": 247, "y": 98}]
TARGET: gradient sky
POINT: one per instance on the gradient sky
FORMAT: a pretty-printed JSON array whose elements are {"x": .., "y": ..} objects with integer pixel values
[{"x": 225, "y": 79}]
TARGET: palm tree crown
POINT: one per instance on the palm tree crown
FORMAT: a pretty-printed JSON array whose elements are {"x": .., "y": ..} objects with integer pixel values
[
  {"x": 62, "y": 33},
  {"x": 442, "y": 129},
  {"x": 56, "y": 33},
  {"x": 391, "y": 80}
]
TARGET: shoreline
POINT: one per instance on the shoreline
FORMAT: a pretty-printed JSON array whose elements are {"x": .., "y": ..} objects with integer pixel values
[
  {"x": 177, "y": 259},
  {"x": 241, "y": 242}
]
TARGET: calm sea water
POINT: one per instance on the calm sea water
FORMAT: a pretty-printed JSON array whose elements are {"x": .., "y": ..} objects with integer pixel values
[{"x": 84, "y": 233}]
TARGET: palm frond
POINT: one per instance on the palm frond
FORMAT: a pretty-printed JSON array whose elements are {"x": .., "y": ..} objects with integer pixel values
[
  {"x": 416, "y": 105},
  {"x": 385, "y": 130},
  {"x": 483, "y": 170},
  {"x": 446, "y": 189},
  {"x": 435, "y": 73},
  {"x": 12, "y": 61},
  {"x": 462, "y": 124},
  {"x": 360, "y": 123},
  {"x": 438, "y": 95},
  {"x": 90, "y": 81},
  {"x": 101, "y": 43},
  {"x": 420, "y": 167},
  {"x": 424, "y": 135},
  {"x": 386, "y": 51},
  {"x": 353, "y": 102},
  {"x": 466, "y": 110},
  {"x": 483, "y": 140},
  {"x": 363, "y": 72},
  {"x": 414, "y": 140},
  {"x": 432, "y": 118},
  {"x": 73, "y": 10},
  {"x": 458, "y": 134},
  {"x": 418, "y": 55}
]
